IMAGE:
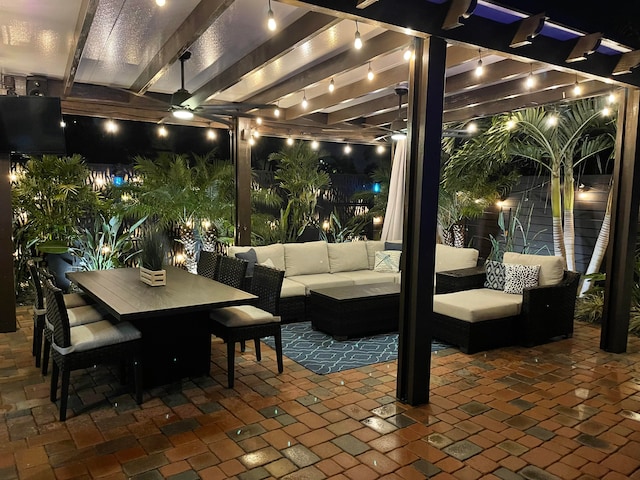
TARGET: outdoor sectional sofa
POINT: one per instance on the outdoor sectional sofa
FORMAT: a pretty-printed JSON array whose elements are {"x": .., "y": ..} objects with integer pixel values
[
  {"x": 315, "y": 265},
  {"x": 481, "y": 315}
]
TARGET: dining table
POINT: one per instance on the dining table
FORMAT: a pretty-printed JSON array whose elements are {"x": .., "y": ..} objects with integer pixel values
[{"x": 173, "y": 318}]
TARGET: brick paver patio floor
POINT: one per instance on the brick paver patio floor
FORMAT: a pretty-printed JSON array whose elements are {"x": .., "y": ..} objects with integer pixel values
[{"x": 563, "y": 410}]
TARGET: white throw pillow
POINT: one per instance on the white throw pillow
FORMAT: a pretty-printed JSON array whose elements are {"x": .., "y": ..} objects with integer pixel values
[
  {"x": 347, "y": 257},
  {"x": 519, "y": 277},
  {"x": 388, "y": 261}
]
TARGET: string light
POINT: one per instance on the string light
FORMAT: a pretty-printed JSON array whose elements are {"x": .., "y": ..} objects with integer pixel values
[
  {"x": 111, "y": 126},
  {"x": 276, "y": 111},
  {"x": 289, "y": 140},
  {"x": 305, "y": 103},
  {"x": 408, "y": 54},
  {"x": 259, "y": 120},
  {"x": 611, "y": 98},
  {"x": 370, "y": 74},
  {"x": 271, "y": 20},
  {"x": 211, "y": 134},
  {"x": 479, "y": 68},
  {"x": 552, "y": 121},
  {"x": 606, "y": 111},
  {"x": 357, "y": 42},
  {"x": 63, "y": 124},
  {"x": 380, "y": 149},
  {"x": 161, "y": 3},
  {"x": 162, "y": 131},
  {"x": 511, "y": 124},
  {"x": 577, "y": 89},
  {"x": 315, "y": 145},
  {"x": 530, "y": 82},
  {"x": 332, "y": 85},
  {"x": 472, "y": 127},
  {"x": 347, "y": 149}
]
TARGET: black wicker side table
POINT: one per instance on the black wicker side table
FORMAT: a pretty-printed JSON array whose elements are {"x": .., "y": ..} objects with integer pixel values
[
  {"x": 461, "y": 279},
  {"x": 355, "y": 311}
]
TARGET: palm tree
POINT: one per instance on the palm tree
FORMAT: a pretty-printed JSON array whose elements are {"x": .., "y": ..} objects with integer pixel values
[{"x": 558, "y": 140}]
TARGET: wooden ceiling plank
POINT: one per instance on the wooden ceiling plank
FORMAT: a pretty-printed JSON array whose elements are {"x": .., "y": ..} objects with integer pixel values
[
  {"x": 308, "y": 26},
  {"x": 589, "y": 88},
  {"x": 83, "y": 27},
  {"x": 198, "y": 21},
  {"x": 361, "y": 110},
  {"x": 381, "y": 44},
  {"x": 493, "y": 73}
]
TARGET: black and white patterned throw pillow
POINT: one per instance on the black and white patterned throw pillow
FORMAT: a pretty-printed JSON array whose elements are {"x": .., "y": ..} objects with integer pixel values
[
  {"x": 495, "y": 275},
  {"x": 519, "y": 277}
]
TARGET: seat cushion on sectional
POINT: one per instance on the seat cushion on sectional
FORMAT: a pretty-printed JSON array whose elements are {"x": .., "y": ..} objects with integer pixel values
[
  {"x": 452, "y": 258},
  {"x": 306, "y": 258},
  {"x": 373, "y": 246},
  {"x": 551, "y": 267},
  {"x": 347, "y": 256},
  {"x": 368, "y": 277},
  {"x": 321, "y": 280},
  {"x": 477, "y": 305},
  {"x": 292, "y": 289}
]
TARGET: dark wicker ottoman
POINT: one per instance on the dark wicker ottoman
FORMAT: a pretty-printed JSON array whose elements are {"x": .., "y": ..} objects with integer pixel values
[{"x": 355, "y": 311}]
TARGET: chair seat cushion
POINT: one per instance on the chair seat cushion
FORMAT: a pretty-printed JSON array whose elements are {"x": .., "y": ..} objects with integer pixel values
[
  {"x": 100, "y": 334},
  {"x": 242, "y": 316},
  {"x": 477, "y": 305},
  {"x": 72, "y": 300},
  {"x": 84, "y": 314}
]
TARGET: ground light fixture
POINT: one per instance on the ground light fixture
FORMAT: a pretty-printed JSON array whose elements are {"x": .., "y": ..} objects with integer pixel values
[{"x": 271, "y": 20}]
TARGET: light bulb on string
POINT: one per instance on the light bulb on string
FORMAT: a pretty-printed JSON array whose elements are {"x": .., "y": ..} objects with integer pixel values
[
  {"x": 276, "y": 111},
  {"x": 370, "y": 73},
  {"x": 289, "y": 140},
  {"x": 305, "y": 103},
  {"x": 577, "y": 89},
  {"x": 271, "y": 20},
  {"x": 211, "y": 134},
  {"x": 479, "y": 67},
  {"x": 332, "y": 85},
  {"x": 357, "y": 42},
  {"x": 530, "y": 82},
  {"x": 315, "y": 145}
]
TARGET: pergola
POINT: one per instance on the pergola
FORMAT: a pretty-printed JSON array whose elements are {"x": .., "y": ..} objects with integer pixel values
[{"x": 119, "y": 59}]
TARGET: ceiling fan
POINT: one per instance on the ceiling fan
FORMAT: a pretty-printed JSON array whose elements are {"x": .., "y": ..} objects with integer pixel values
[{"x": 211, "y": 111}]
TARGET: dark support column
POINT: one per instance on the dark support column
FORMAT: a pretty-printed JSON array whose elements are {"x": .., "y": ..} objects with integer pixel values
[
  {"x": 241, "y": 156},
  {"x": 624, "y": 225},
  {"x": 426, "y": 94},
  {"x": 7, "y": 290}
]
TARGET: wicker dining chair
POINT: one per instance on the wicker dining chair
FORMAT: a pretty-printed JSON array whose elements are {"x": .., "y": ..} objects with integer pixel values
[
  {"x": 71, "y": 300},
  {"x": 249, "y": 322},
  {"x": 231, "y": 271},
  {"x": 208, "y": 264},
  {"x": 87, "y": 345}
]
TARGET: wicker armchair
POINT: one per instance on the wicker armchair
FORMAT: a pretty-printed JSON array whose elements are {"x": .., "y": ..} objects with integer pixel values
[
  {"x": 86, "y": 345},
  {"x": 547, "y": 312},
  {"x": 248, "y": 322},
  {"x": 231, "y": 271},
  {"x": 208, "y": 264}
]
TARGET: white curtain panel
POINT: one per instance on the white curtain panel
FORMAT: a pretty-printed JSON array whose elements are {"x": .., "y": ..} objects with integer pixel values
[{"x": 392, "y": 226}]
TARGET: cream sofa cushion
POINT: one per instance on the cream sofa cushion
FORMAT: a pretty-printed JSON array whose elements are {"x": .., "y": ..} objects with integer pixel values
[
  {"x": 368, "y": 277},
  {"x": 347, "y": 257},
  {"x": 274, "y": 252},
  {"x": 551, "y": 267},
  {"x": 478, "y": 304},
  {"x": 306, "y": 258},
  {"x": 292, "y": 289},
  {"x": 322, "y": 280},
  {"x": 373, "y": 246},
  {"x": 452, "y": 258}
]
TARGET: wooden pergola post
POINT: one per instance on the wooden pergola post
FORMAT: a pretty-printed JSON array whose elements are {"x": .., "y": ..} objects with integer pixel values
[
  {"x": 7, "y": 290},
  {"x": 241, "y": 157},
  {"x": 624, "y": 225},
  {"x": 426, "y": 98}
]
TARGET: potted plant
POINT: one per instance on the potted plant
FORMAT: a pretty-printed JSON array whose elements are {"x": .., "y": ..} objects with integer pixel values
[{"x": 153, "y": 252}]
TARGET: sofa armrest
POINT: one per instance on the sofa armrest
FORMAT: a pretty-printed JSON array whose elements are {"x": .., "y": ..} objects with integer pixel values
[
  {"x": 462, "y": 279},
  {"x": 548, "y": 311}
]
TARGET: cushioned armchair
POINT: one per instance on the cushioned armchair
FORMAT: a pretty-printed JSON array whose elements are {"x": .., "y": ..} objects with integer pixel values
[{"x": 480, "y": 315}]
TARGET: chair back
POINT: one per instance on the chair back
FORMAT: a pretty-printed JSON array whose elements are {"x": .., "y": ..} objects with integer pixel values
[
  {"x": 37, "y": 283},
  {"x": 57, "y": 315},
  {"x": 266, "y": 284},
  {"x": 208, "y": 263},
  {"x": 231, "y": 271}
]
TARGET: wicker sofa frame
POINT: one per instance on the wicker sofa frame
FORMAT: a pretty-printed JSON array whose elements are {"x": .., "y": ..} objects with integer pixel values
[{"x": 547, "y": 312}]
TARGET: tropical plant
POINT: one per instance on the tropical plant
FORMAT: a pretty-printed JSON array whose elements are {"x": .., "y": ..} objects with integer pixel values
[
  {"x": 377, "y": 200},
  {"x": 301, "y": 180},
  {"x": 106, "y": 245},
  {"x": 507, "y": 241},
  {"x": 154, "y": 246},
  {"x": 52, "y": 195},
  {"x": 600, "y": 247}
]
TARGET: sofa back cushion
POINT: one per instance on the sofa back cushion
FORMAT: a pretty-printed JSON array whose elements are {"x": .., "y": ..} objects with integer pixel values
[
  {"x": 274, "y": 252},
  {"x": 373, "y": 246},
  {"x": 347, "y": 256},
  {"x": 551, "y": 267},
  {"x": 452, "y": 258},
  {"x": 306, "y": 258}
]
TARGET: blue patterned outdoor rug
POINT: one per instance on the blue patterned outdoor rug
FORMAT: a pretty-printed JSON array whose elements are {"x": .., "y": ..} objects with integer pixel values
[{"x": 321, "y": 354}]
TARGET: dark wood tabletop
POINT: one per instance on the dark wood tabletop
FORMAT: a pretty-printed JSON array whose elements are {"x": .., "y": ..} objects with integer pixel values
[{"x": 127, "y": 298}]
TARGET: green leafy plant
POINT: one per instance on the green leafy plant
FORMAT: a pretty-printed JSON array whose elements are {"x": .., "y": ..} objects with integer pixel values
[
  {"x": 154, "y": 246},
  {"x": 506, "y": 242},
  {"x": 106, "y": 245}
]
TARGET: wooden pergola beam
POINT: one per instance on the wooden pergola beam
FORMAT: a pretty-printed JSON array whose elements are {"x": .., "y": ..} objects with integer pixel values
[
  {"x": 83, "y": 26},
  {"x": 198, "y": 21}
]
